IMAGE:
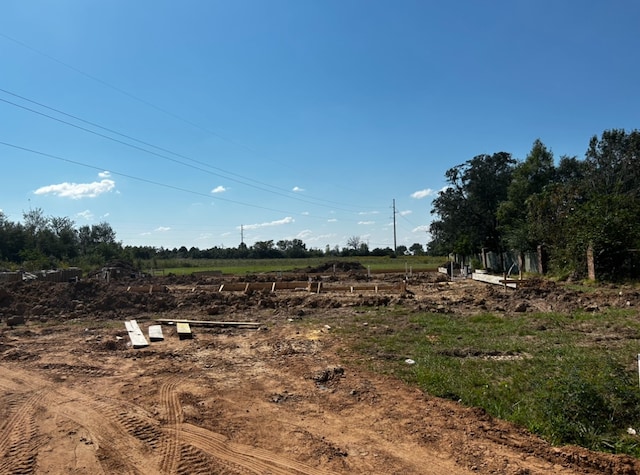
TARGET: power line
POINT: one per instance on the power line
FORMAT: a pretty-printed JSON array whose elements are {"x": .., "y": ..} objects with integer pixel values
[
  {"x": 153, "y": 182},
  {"x": 144, "y": 180},
  {"x": 149, "y": 104},
  {"x": 123, "y": 92},
  {"x": 159, "y": 154},
  {"x": 281, "y": 192}
]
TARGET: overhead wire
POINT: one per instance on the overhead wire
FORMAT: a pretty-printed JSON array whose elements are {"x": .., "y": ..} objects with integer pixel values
[
  {"x": 122, "y": 91},
  {"x": 147, "y": 103},
  {"x": 145, "y": 180},
  {"x": 287, "y": 193},
  {"x": 289, "y": 196}
]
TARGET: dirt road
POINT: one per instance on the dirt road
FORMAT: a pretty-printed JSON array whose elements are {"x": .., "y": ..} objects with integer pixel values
[{"x": 284, "y": 399}]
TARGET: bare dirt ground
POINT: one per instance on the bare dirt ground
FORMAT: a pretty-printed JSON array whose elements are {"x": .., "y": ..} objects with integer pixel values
[{"x": 288, "y": 398}]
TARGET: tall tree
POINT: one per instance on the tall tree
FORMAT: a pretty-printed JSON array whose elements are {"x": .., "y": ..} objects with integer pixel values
[
  {"x": 354, "y": 243},
  {"x": 529, "y": 178},
  {"x": 467, "y": 208},
  {"x": 614, "y": 163},
  {"x": 609, "y": 216},
  {"x": 594, "y": 204},
  {"x": 66, "y": 237},
  {"x": 264, "y": 250},
  {"x": 13, "y": 239}
]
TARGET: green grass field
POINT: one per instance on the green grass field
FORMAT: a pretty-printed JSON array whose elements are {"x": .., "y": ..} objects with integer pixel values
[
  {"x": 570, "y": 378},
  {"x": 248, "y": 266}
]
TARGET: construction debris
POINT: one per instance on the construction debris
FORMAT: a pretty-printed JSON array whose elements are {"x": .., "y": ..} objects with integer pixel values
[
  {"x": 136, "y": 336},
  {"x": 155, "y": 333},
  {"x": 184, "y": 331},
  {"x": 209, "y": 323}
]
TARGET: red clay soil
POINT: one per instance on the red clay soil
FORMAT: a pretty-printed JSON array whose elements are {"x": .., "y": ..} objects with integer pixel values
[{"x": 283, "y": 399}]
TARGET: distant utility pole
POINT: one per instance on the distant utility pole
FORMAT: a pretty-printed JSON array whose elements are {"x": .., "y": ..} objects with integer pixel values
[
  {"x": 395, "y": 245},
  {"x": 241, "y": 234}
]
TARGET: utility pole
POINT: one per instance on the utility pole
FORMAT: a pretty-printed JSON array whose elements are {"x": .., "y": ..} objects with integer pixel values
[
  {"x": 395, "y": 245},
  {"x": 242, "y": 234}
]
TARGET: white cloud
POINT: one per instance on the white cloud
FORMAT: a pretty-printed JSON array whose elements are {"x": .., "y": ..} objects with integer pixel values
[
  {"x": 162, "y": 229},
  {"x": 332, "y": 220},
  {"x": 322, "y": 238},
  {"x": 406, "y": 212},
  {"x": 418, "y": 195},
  {"x": 365, "y": 213},
  {"x": 86, "y": 214},
  {"x": 104, "y": 174},
  {"x": 304, "y": 234},
  {"x": 77, "y": 191},
  {"x": 305, "y": 213},
  {"x": 297, "y": 189},
  {"x": 279, "y": 222},
  {"x": 366, "y": 222},
  {"x": 219, "y": 189},
  {"x": 423, "y": 228},
  {"x": 204, "y": 237}
]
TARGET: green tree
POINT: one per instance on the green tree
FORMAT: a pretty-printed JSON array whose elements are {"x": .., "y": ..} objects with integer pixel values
[
  {"x": 592, "y": 203},
  {"x": 66, "y": 238},
  {"x": 13, "y": 238},
  {"x": 529, "y": 178},
  {"x": 292, "y": 248},
  {"x": 613, "y": 162},
  {"x": 608, "y": 217},
  {"x": 417, "y": 249},
  {"x": 264, "y": 250},
  {"x": 97, "y": 243},
  {"x": 467, "y": 208}
]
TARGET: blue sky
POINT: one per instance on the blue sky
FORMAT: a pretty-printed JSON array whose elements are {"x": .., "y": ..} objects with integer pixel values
[{"x": 178, "y": 123}]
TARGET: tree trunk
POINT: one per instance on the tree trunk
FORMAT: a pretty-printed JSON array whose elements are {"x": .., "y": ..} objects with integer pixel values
[{"x": 591, "y": 267}]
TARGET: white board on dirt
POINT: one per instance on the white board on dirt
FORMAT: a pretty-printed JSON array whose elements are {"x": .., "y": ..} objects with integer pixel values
[
  {"x": 155, "y": 333},
  {"x": 183, "y": 329},
  {"x": 135, "y": 334}
]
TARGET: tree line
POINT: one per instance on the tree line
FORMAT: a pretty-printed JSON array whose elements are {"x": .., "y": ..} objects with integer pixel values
[
  {"x": 46, "y": 242},
  {"x": 568, "y": 210}
]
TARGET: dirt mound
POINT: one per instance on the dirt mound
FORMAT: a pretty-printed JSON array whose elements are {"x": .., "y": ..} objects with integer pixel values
[{"x": 336, "y": 266}]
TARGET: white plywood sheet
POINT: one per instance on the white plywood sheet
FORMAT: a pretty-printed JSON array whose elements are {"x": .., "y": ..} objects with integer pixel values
[
  {"x": 135, "y": 334},
  {"x": 155, "y": 333}
]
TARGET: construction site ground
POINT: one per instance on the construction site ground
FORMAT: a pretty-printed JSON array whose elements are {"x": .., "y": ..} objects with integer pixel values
[{"x": 289, "y": 397}]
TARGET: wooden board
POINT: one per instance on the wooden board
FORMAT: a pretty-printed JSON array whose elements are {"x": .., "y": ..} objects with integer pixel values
[
  {"x": 184, "y": 331},
  {"x": 135, "y": 334},
  {"x": 155, "y": 333},
  {"x": 209, "y": 323}
]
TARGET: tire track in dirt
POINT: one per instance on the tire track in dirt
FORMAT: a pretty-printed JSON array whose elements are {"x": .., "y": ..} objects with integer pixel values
[
  {"x": 18, "y": 449},
  {"x": 170, "y": 402},
  {"x": 143, "y": 430},
  {"x": 249, "y": 459},
  {"x": 122, "y": 442},
  {"x": 194, "y": 461},
  {"x": 110, "y": 435}
]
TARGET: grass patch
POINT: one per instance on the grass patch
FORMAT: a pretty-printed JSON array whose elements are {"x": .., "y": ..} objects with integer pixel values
[{"x": 570, "y": 378}]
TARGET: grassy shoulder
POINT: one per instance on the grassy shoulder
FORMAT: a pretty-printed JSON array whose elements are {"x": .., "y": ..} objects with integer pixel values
[{"x": 572, "y": 379}]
